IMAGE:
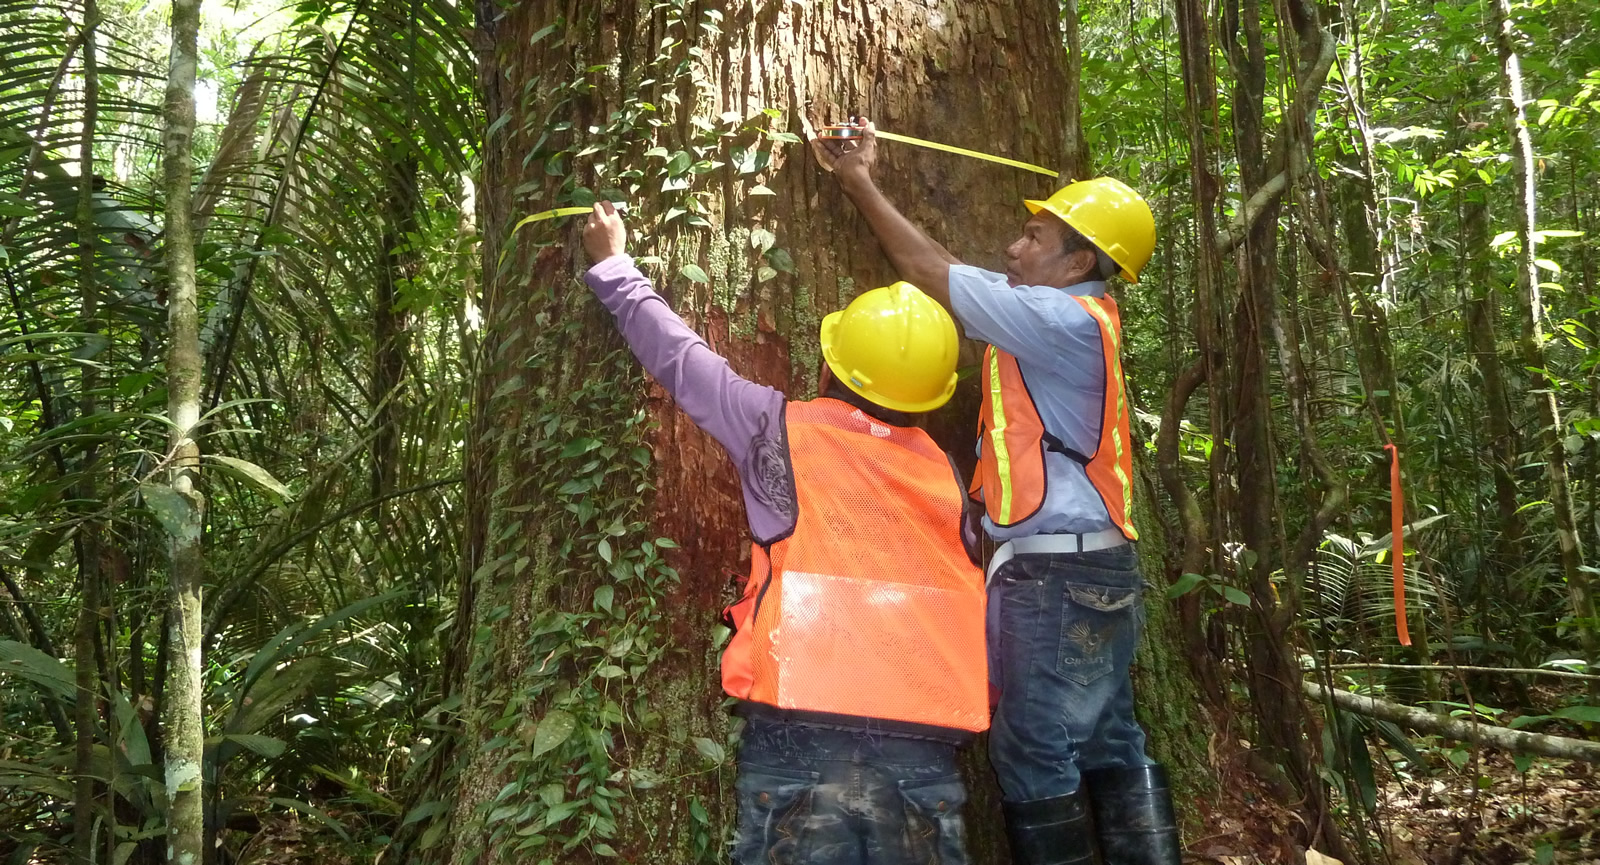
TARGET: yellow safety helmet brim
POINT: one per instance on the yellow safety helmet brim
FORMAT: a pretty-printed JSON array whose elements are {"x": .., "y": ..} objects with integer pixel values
[
  {"x": 1111, "y": 215},
  {"x": 915, "y": 356}
]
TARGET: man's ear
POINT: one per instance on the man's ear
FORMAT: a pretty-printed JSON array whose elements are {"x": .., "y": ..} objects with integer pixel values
[{"x": 1082, "y": 264}]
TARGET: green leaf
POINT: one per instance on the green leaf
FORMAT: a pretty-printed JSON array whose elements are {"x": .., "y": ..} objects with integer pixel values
[
  {"x": 604, "y": 850},
  {"x": 266, "y": 746},
  {"x": 710, "y": 750},
  {"x": 423, "y": 812},
  {"x": 1234, "y": 596},
  {"x": 541, "y": 33},
  {"x": 762, "y": 240},
  {"x": 693, "y": 273},
  {"x": 293, "y": 637},
  {"x": 1361, "y": 768},
  {"x": 172, "y": 510},
  {"x": 578, "y": 447},
  {"x": 1586, "y": 714},
  {"x": 604, "y": 548},
  {"x": 254, "y": 474},
  {"x": 1391, "y": 733},
  {"x": 679, "y": 163},
  {"x": 19, "y": 659},
  {"x": 603, "y": 597},
  {"x": 561, "y": 812},
  {"x": 26, "y": 776},
  {"x": 761, "y": 189},
  {"x": 555, "y": 729},
  {"x": 1185, "y": 584},
  {"x": 781, "y": 260}
]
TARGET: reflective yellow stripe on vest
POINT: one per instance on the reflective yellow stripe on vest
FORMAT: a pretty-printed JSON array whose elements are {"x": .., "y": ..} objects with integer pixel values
[
  {"x": 1116, "y": 381},
  {"x": 997, "y": 437}
]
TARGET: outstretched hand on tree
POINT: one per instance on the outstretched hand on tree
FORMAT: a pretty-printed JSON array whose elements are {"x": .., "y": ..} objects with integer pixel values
[
  {"x": 851, "y": 158},
  {"x": 604, "y": 235}
]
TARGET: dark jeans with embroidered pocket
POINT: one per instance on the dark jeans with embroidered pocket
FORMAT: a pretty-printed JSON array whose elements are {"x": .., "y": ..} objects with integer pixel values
[
  {"x": 1063, "y": 628},
  {"x": 812, "y": 795}
]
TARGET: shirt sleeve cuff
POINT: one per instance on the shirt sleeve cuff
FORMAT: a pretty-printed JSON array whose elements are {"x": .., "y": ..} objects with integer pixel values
[{"x": 609, "y": 271}]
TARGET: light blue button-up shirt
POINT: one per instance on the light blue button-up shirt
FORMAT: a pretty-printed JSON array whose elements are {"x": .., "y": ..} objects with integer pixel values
[{"x": 1057, "y": 346}]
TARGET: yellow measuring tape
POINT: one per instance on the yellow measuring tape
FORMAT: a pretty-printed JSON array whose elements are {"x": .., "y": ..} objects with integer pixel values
[
  {"x": 541, "y": 216},
  {"x": 962, "y": 151},
  {"x": 558, "y": 212},
  {"x": 552, "y": 214}
]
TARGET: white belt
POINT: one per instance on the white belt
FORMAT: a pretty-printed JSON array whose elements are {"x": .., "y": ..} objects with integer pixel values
[{"x": 1059, "y": 543}]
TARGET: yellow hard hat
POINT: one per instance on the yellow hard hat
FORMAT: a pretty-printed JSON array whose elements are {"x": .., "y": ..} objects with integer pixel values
[
  {"x": 1111, "y": 215},
  {"x": 895, "y": 346}
]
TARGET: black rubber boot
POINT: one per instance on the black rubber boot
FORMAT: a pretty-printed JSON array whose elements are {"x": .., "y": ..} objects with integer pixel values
[
  {"x": 1133, "y": 816},
  {"x": 1050, "y": 831}
]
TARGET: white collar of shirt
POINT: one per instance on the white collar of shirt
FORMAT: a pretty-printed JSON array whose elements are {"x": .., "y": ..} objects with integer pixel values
[{"x": 1088, "y": 288}]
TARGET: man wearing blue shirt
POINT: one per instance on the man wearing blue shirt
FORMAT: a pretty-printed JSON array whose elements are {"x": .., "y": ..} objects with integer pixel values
[{"x": 1054, "y": 480}]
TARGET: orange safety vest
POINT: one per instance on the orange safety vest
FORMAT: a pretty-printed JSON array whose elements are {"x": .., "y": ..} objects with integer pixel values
[
  {"x": 870, "y": 607},
  {"x": 1011, "y": 479}
]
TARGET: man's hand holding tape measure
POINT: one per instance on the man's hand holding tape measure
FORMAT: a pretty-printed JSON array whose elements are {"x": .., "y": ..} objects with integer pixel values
[{"x": 849, "y": 151}]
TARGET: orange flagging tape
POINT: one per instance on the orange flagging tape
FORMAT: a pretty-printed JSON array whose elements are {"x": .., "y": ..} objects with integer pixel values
[{"x": 1397, "y": 556}]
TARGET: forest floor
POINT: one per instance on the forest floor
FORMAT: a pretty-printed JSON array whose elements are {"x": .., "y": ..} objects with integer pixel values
[
  {"x": 1454, "y": 808},
  {"x": 1484, "y": 813}
]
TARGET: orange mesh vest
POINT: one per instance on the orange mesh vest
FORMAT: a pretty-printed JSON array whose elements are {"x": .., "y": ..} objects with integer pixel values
[
  {"x": 870, "y": 607},
  {"x": 1012, "y": 439}
]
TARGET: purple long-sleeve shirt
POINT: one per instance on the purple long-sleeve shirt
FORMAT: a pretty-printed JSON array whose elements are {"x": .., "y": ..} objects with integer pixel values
[{"x": 744, "y": 417}]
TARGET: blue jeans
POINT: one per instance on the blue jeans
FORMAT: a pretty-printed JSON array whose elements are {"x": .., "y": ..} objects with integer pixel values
[
  {"x": 1062, "y": 632},
  {"x": 812, "y": 795}
]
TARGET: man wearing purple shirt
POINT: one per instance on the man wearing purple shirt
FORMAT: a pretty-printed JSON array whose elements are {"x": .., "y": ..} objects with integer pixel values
[{"x": 856, "y": 518}]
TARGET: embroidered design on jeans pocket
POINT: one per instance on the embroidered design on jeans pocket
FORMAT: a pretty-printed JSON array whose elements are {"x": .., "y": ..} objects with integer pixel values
[
  {"x": 1087, "y": 639},
  {"x": 1092, "y": 620}
]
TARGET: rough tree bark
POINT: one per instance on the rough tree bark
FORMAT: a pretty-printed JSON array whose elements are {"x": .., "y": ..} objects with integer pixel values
[
  {"x": 1283, "y": 724},
  {"x": 588, "y": 718},
  {"x": 1481, "y": 342},
  {"x": 1199, "y": 553},
  {"x": 180, "y": 503},
  {"x": 1532, "y": 340}
]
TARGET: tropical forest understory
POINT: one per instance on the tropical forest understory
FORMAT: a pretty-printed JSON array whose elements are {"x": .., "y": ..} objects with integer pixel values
[{"x": 337, "y": 524}]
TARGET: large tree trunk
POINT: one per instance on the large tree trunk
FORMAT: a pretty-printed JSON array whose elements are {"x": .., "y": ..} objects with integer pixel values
[
  {"x": 591, "y": 716},
  {"x": 180, "y": 504}
]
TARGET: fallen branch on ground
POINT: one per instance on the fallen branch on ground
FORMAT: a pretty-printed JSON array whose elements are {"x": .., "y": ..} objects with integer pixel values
[
  {"x": 1516, "y": 741},
  {"x": 1520, "y": 671}
]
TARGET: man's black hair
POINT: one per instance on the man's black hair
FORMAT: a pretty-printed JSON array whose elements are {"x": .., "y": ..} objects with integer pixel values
[
  {"x": 837, "y": 390},
  {"x": 1072, "y": 240}
]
